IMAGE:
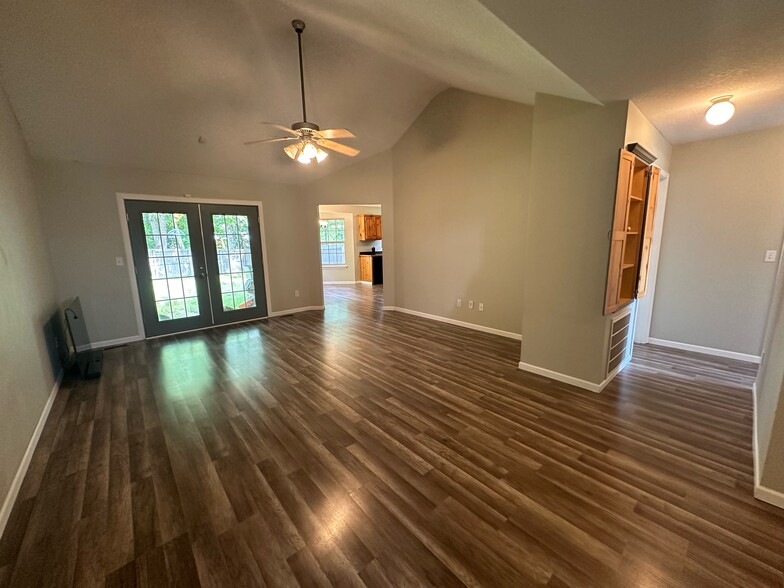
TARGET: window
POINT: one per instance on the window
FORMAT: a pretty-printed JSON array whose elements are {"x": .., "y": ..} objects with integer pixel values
[{"x": 333, "y": 241}]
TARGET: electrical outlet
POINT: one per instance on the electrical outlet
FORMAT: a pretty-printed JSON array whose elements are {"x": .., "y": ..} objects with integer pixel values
[
  {"x": 296, "y": 293},
  {"x": 459, "y": 302},
  {"x": 481, "y": 306},
  {"x": 118, "y": 260},
  {"x": 770, "y": 255},
  {"x": 470, "y": 304}
]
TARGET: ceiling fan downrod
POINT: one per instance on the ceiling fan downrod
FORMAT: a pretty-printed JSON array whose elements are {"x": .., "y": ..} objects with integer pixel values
[{"x": 299, "y": 26}]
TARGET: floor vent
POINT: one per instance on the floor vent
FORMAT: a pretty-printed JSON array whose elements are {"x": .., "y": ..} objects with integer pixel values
[{"x": 620, "y": 341}]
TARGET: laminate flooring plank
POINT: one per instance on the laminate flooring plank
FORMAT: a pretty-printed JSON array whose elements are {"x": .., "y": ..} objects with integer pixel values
[{"x": 361, "y": 447}]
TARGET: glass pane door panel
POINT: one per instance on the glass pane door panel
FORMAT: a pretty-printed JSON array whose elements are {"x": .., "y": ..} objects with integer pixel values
[
  {"x": 232, "y": 241},
  {"x": 170, "y": 270},
  {"x": 235, "y": 266},
  {"x": 171, "y": 264}
]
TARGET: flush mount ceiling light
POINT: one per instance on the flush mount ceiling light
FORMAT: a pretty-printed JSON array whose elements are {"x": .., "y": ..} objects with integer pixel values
[
  {"x": 310, "y": 139},
  {"x": 720, "y": 111}
]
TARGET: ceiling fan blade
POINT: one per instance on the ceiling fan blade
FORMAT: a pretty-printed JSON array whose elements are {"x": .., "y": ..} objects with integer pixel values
[
  {"x": 342, "y": 149},
  {"x": 270, "y": 140},
  {"x": 337, "y": 134},
  {"x": 280, "y": 127}
]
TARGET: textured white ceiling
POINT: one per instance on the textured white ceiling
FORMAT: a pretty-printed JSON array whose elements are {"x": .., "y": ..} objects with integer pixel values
[
  {"x": 670, "y": 57},
  {"x": 136, "y": 82}
]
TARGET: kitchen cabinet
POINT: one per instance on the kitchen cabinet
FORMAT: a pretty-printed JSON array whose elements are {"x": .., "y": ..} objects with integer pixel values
[
  {"x": 369, "y": 226},
  {"x": 631, "y": 232},
  {"x": 371, "y": 268}
]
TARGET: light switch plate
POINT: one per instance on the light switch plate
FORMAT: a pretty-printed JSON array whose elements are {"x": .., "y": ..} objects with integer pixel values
[
  {"x": 118, "y": 260},
  {"x": 770, "y": 255}
]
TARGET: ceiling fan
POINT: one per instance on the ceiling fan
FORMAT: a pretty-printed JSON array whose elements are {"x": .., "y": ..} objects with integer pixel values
[{"x": 310, "y": 139}]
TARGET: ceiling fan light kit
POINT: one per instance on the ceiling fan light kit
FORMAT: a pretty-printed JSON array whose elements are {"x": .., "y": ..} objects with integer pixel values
[{"x": 311, "y": 141}]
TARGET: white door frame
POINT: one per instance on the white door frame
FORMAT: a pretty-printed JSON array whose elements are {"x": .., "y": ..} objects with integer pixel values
[
  {"x": 122, "y": 197},
  {"x": 644, "y": 305}
]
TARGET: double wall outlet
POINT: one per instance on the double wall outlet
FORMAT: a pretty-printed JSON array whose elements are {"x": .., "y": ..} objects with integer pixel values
[{"x": 470, "y": 304}]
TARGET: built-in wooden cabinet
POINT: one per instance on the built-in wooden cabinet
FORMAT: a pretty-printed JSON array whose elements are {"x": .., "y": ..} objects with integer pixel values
[
  {"x": 371, "y": 268},
  {"x": 631, "y": 232},
  {"x": 365, "y": 268},
  {"x": 369, "y": 227}
]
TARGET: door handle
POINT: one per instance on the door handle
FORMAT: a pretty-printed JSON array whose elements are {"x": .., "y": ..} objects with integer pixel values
[{"x": 202, "y": 273}]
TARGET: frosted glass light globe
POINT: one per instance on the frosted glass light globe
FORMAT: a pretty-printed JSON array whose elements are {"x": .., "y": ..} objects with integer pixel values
[{"x": 720, "y": 112}]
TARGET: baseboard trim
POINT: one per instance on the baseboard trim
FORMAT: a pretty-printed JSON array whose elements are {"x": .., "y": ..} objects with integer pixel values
[
  {"x": 768, "y": 495},
  {"x": 16, "y": 484},
  {"x": 559, "y": 377},
  {"x": 443, "y": 319},
  {"x": 705, "y": 350},
  {"x": 754, "y": 441},
  {"x": 111, "y": 343},
  {"x": 294, "y": 310}
]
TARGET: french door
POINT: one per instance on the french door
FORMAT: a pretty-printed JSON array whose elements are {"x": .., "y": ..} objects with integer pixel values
[{"x": 197, "y": 265}]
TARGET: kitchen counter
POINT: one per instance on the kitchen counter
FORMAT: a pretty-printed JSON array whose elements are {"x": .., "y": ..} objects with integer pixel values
[{"x": 373, "y": 253}]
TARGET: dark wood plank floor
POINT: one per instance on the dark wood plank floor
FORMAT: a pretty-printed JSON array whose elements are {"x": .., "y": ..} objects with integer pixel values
[{"x": 356, "y": 447}]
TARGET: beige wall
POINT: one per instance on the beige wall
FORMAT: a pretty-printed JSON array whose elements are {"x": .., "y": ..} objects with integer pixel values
[
  {"x": 84, "y": 235},
  {"x": 640, "y": 130},
  {"x": 460, "y": 185},
  {"x": 366, "y": 182},
  {"x": 725, "y": 207},
  {"x": 574, "y": 170},
  {"x": 27, "y": 374}
]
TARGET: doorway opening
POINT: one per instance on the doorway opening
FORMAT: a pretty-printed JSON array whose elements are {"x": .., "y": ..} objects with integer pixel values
[
  {"x": 351, "y": 249},
  {"x": 195, "y": 265}
]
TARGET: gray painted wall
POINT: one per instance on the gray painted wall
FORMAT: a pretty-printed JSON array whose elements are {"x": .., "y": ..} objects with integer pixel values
[
  {"x": 460, "y": 183},
  {"x": 574, "y": 172},
  {"x": 83, "y": 229},
  {"x": 770, "y": 381},
  {"x": 28, "y": 302},
  {"x": 725, "y": 207}
]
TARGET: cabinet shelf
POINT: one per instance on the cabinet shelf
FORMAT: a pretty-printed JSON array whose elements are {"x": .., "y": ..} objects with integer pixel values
[{"x": 631, "y": 230}]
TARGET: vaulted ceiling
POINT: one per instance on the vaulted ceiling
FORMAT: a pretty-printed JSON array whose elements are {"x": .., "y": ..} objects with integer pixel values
[{"x": 137, "y": 82}]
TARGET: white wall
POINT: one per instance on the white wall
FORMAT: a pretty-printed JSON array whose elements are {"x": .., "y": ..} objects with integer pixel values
[
  {"x": 28, "y": 365},
  {"x": 725, "y": 208},
  {"x": 83, "y": 229}
]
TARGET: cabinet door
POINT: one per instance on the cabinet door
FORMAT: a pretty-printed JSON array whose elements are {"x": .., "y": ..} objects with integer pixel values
[
  {"x": 623, "y": 189},
  {"x": 647, "y": 236},
  {"x": 365, "y": 268},
  {"x": 361, "y": 227},
  {"x": 377, "y": 225}
]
